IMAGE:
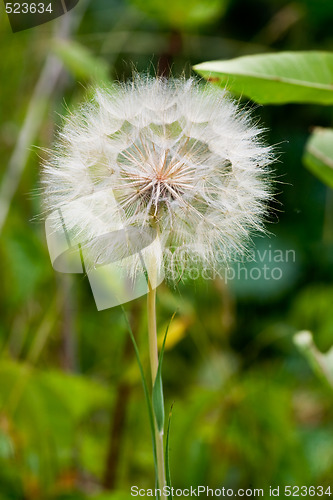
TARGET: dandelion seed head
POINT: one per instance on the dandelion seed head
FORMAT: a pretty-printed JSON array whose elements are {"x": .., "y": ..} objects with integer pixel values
[{"x": 178, "y": 157}]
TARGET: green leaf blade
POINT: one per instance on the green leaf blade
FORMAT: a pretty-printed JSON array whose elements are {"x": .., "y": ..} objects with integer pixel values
[
  {"x": 299, "y": 77},
  {"x": 167, "y": 455},
  {"x": 145, "y": 387},
  {"x": 321, "y": 364},
  {"x": 158, "y": 403},
  {"x": 318, "y": 156},
  {"x": 157, "y": 396}
]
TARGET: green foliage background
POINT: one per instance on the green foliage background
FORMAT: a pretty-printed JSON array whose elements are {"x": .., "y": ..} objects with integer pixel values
[{"x": 249, "y": 410}]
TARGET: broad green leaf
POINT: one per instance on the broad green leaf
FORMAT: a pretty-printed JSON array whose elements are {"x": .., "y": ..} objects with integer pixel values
[
  {"x": 318, "y": 157},
  {"x": 280, "y": 78},
  {"x": 80, "y": 61}
]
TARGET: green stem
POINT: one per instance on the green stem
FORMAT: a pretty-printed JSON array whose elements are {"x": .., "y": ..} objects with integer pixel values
[{"x": 153, "y": 356}]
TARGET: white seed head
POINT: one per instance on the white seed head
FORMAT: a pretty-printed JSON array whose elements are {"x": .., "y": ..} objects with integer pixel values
[{"x": 179, "y": 158}]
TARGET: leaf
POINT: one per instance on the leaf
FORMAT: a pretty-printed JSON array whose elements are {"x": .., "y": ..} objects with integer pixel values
[
  {"x": 167, "y": 459},
  {"x": 6, "y": 445},
  {"x": 318, "y": 157},
  {"x": 145, "y": 388},
  {"x": 321, "y": 364},
  {"x": 76, "y": 395},
  {"x": 280, "y": 78},
  {"x": 180, "y": 14},
  {"x": 312, "y": 310},
  {"x": 157, "y": 397},
  {"x": 80, "y": 61},
  {"x": 24, "y": 259},
  {"x": 176, "y": 333},
  {"x": 45, "y": 409},
  {"x": 79, "y": 394}
]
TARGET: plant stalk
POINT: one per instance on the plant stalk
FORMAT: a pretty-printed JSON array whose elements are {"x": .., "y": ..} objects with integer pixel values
[{"x": 153, "y": 356}]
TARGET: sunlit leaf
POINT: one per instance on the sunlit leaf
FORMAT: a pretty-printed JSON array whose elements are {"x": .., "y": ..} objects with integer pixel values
[
  {"x": 318, "y": 157},
  {"x": 176, "y": 333},
  {"x": 276, "y": 78},
  {"x": 322, "y": 364},
  {"x": 312, "y": 310}
]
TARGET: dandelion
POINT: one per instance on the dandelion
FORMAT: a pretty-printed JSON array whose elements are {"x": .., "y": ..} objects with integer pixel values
[
  {"x": 176, "y": 157},
  {"x": 170, "y": 161}
]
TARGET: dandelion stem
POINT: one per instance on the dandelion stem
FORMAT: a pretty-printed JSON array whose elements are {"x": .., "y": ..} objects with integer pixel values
[{"x": 153, "y": 356}]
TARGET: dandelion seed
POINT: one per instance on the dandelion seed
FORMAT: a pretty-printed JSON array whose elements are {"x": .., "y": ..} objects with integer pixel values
[{"x": 176, "y": 157}]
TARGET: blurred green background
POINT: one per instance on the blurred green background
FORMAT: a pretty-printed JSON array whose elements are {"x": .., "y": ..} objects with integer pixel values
[{"x": 248, "y": 410}]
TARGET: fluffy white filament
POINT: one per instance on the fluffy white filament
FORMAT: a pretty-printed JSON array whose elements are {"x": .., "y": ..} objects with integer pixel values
[{"x": 179, "y": 158}]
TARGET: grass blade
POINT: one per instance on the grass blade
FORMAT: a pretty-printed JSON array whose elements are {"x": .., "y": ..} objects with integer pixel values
[
  {"x": 167, "y": 456},
  {"x": 145, "y": 388},
  {"x": 157, "y": 397}
]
